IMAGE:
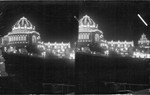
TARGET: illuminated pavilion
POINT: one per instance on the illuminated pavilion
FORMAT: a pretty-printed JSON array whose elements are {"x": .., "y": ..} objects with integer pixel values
[
  {"x": 23, "y": 34},
  {"x": 23, "y": 37},
  {"x": 88, "y": 30},
  {"x": 143, "y": 50},
  {"x": 89, "y": 33},
  {"x": 144, "y": 42}
]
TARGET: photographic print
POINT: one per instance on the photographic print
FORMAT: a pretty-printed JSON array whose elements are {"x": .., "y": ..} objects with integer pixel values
[
  {"x": 74, "y": 47},
  {"x": 113, "y": 48},
  {"x": 38, "y": 47}
]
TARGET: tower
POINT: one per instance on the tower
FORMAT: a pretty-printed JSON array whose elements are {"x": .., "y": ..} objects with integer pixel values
[
  {"x": 143, "y": 42},
  {"x": 88, "y": 32}
]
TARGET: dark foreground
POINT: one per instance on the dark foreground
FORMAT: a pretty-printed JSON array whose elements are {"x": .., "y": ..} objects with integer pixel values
[
  {"x": 93, "y": 74},
  {"x": 97, "y": 74},
  {"x": 28, "y": 74}
]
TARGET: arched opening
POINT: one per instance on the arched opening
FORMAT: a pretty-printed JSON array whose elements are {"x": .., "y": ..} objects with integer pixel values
[
  {"x": 33, "y": 39},
  {"x": 97, "y": 38}
]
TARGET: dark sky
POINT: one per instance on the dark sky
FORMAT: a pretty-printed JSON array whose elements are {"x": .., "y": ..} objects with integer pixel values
[
  {"x": 53, "y": 20},
  {"x": 119, "y": 20}
]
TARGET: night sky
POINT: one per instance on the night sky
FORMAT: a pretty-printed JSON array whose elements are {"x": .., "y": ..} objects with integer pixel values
[
  {"x": 53, "y": 20},
  {"x": 119, "y": 20}
]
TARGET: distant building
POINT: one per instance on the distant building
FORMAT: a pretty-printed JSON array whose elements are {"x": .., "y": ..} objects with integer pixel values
[
  {"x": 121, "y": 47},
  {"x": 144, "y": 42},
  {"x": 23, "y": 34},
  {"x": 59, "y": 49},
  {"x": 57, "y": 45}
]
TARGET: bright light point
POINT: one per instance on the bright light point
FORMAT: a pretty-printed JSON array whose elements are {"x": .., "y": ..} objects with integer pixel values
[
  {"x": 72, "y": 55},
  {"x": 1, "y": 62},
  {"x": 142, "y": 20}
]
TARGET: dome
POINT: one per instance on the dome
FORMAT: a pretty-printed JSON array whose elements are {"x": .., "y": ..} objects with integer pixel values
[
  {"x": 86, "y": 24},
  {"x": 86, "y": 21},
  {"x": 23, "y": 23}
]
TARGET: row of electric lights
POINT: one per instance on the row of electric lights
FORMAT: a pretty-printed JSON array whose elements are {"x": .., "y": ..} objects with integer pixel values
[{"x": 17, "y": 38}]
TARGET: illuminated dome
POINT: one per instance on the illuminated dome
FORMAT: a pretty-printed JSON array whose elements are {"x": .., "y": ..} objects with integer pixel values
[
  {"x": 86, "y": 24},
  {"x": 23, "y": 23},
  {"x": 86, "y": 21},
  {"x": 23, "y": 26}
]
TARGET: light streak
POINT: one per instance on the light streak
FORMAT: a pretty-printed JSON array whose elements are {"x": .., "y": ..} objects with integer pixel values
[{"x": 142, "y": 20}]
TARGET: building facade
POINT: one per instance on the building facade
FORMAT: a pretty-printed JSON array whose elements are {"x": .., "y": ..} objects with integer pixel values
[
  {"x": 144, "y": 42},
  {"x": 59, "y": 49},
  {"x": 121, "y": 47},
  {"x": 88, "y": 32},
  {"x": 23, "y": 35}
]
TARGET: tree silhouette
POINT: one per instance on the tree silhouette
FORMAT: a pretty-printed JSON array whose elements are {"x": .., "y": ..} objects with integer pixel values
[{"x": 95, "y": 47}]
